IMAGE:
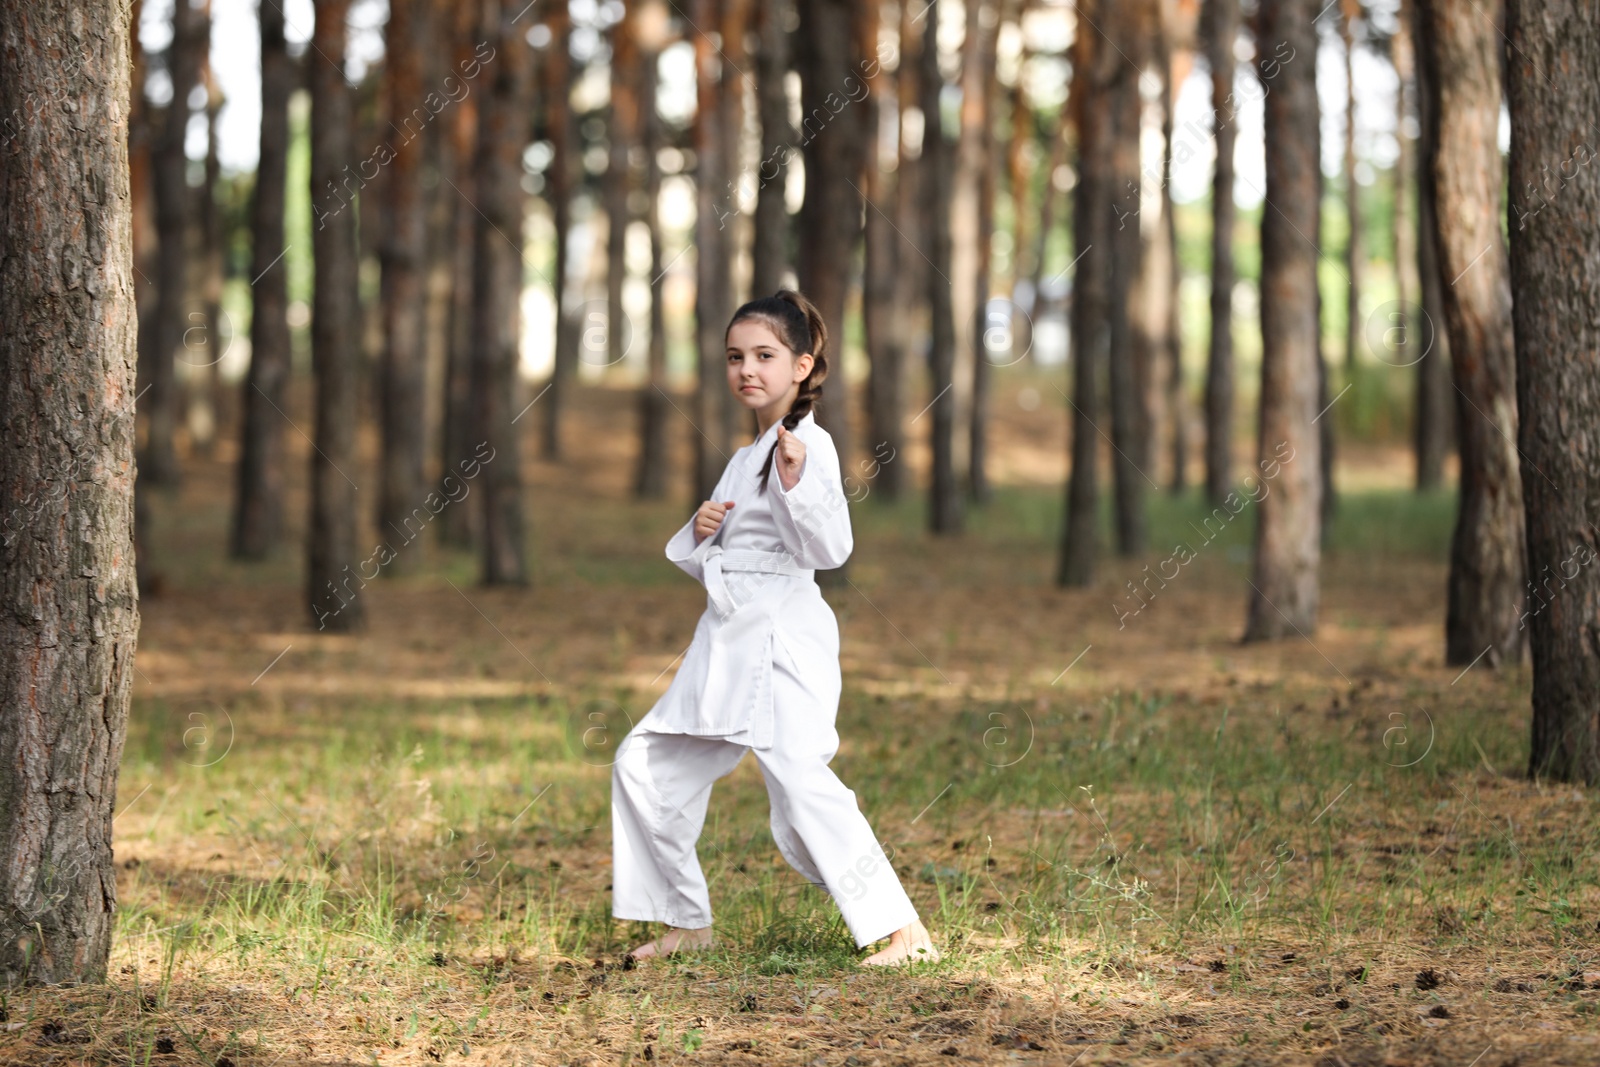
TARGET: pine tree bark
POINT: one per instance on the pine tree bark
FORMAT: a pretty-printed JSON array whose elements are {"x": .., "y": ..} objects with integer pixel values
[
  {"x": 463, "y": 527},
  {"x": 712, "y": 304},
  {"x": 67, "y": 368},
  {"x": 1553, "y": 88},
  {"x": 203, "y": 358},
  {"x": 1129, "y": 25},
  {"x": 885, "y": 344},
  {"x": 910, "y": 291},
  {"x": 978, "y": 487},
  {"x": 623, "y": 134},
  {"x": 1485, "y": 599},
  {"x": 944, "y": 496},
  {"x": 1435, "y": 403},
  {"x": 831, "y": 133},
  {"x": 174, "y": 203},
  {"x": 496, "y": 288},
  {"x": 332, "y": 584},
  {"x": 403, "y": 292},
  {"x": 1284, "y": 589},
  {"x": 561, "y": 179},
  {"x": 1353, "y": 255},
  {"x": 650, "y": 481},
  {"x": 258, "y": 499},
  {"x": 770, "y": 255},
  {"x": 1094, "y": 64}
]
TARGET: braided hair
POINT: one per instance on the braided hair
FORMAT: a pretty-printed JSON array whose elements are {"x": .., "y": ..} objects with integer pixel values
[{"x": 798, "y": 324}]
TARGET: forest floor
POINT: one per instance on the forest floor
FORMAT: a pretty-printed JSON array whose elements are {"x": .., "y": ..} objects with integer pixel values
[{"x": 1134, "y": 839}]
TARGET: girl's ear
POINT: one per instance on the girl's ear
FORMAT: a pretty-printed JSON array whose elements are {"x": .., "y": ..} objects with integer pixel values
[{"x": 802, "y": 366}]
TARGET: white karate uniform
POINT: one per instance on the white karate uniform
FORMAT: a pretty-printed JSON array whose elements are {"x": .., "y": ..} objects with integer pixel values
[{"x": 762, "y": 675}]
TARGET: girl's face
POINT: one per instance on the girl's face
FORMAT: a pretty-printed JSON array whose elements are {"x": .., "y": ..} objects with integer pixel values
[{"x": 763, "y": 372}]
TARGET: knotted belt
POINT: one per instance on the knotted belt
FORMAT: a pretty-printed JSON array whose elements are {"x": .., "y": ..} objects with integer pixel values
[{"x": 718, "y": 560}]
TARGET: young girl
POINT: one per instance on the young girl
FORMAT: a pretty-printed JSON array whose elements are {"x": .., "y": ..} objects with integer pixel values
[{"x": 762, "y": 673}]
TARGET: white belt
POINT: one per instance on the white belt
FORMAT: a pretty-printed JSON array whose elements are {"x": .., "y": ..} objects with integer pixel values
[{"x": 717, "y": 560}]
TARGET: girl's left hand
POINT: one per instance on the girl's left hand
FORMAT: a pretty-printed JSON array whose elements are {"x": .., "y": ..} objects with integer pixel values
[{"x": 790, "y": 458}]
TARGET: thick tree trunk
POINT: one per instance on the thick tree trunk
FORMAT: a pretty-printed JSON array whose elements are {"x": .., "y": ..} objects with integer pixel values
[
  {"x": 67, "y": 356},
  {"x": 1553, "y": 86},
  {"x": 174, "y": 203},
  {"x": 1435, "y": 402},
  {"x": 1129, "y": 24},
  {"x": 561, "y": 179},
  {"x": 402, "y": 248},
  {"x": 650, "y": 482},
  {"x": 944, "y": 496},
  {"x": 770, "y": 256},
  {"x": 496, "y": 288},
  {"x": 332, "y": 581},
  {"x": 258, "y": 501},
  {"x": 1284, "y": 592},
  {"x": 713, "y": 306},
  {"x": 1484, "y": 612},
  {"x": 1094, "y": 65},
  {"x": 831, "y": 134}
]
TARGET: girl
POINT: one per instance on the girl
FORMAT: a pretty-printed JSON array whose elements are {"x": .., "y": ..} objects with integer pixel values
[{"x": 762, "y": 672}]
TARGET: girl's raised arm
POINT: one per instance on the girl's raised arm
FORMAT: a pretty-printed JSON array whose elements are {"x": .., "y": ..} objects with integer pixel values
[{"x": 814, "y": 517}]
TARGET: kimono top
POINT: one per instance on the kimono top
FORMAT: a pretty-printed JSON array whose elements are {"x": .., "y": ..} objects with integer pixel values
[{"x": 759, "y": 573}]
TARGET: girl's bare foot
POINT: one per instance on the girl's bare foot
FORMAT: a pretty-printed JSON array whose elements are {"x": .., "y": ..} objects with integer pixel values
[
  {"x": 909, "y": 944},
  {"x": 675, "y": 940}
]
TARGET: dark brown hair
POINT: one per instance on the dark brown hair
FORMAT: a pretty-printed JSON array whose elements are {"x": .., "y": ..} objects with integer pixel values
[{"x": 798, "y": 324}]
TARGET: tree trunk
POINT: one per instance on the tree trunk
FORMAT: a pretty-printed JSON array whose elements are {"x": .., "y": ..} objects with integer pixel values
[
  {"x": 1171, "y": 338},
  {"x": 736, "y": 420},
  {"x": 944, "y": 496},
  {"x": 561, "y": 180},
  {"x": 1403, "y": 327},
  {"x": 174, "y": 203},
  {"x": 1352, "y": 194},
  {"x": 402, "y": 249},
  {"x": 1553, "y": 87},
  {"x": 1434, "y": 428},
  {"x": 1283, "y": 599},
  {"x": 885, "y": 343},
  {"x": 203, "y": 358},
  {"x": 978, "y": 486},
  {"x": 1094, "y": 71},
  {"x": 66, "y": 477},
  {"x": 335, "y": 335},
  {"x": 1129, "y": 24},
  {"x": 769, "y": 256},
  {"x": 966, "y": 221},
  {"x": 910, "y": 291},
  {"x": 496, "y": 288},
  {"x": 463, "y": 527},
  {"x": 258, "y": 503},
  {"x": 651, "y": 479},
  {"x": 1487, "y": 551},
  {"x": 712, "y": 306},
  {"x": 623, "y": 134},
  {"x": 831, "y": 134}
]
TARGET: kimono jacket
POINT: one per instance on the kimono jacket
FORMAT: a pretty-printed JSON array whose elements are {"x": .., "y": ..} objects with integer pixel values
[{"x": 724, "y": 687}]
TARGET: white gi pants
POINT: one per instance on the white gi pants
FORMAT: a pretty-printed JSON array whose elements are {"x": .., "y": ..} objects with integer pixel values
[{"x": 660, "y": 788}]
